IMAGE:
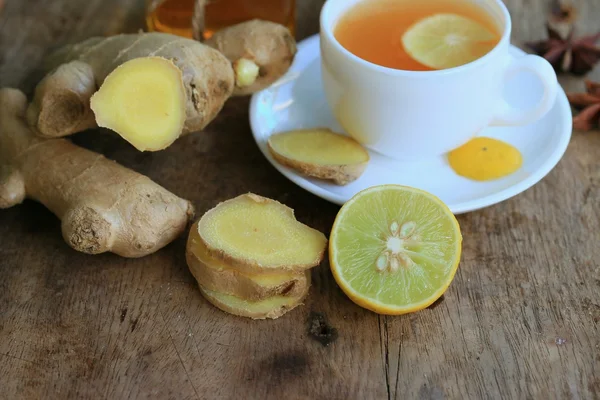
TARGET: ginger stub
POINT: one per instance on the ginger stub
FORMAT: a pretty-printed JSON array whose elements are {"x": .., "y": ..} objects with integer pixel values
[
  {"x": 148, "y": 82},
  {"x": 103, "y": 206},
  {"x": 214, "y": 274},
  {"x": 267, "y": 45},
  {"x": 320, "y": 153},
  {"x": 258, "y": 235}
]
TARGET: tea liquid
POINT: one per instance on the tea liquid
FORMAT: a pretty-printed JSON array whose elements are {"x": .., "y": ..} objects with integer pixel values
[{"x": 373, "y": 29}]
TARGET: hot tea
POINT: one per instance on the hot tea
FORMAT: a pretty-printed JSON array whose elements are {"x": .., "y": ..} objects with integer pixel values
[{"x": 418, "y": 35}]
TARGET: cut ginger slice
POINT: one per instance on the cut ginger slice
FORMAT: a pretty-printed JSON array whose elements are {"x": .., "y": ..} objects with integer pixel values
[
  {"x": 215, "y": 275},
  {"x": 144, "y": 101},
  {"x": 259, "y": 235},
  {"x": 273, "y": 307},
  {"x": 320, "y": 153}
]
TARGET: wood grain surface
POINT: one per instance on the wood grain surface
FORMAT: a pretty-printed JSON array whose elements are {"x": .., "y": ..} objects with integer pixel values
[{"x": 520, "y": 321}]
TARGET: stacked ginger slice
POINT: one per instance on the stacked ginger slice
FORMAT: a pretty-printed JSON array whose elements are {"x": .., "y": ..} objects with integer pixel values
[{"x": 252, "y": 258}]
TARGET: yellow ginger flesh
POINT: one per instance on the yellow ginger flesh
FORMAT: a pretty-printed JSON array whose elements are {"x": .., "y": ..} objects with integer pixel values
[
  {"x": 318, "y": 146},
  {"x": 257, "y": 231},
  {"x": 255, "y": 307},
  {"x": 144, "y": 100},
  {"x": 270, "y": 279}
]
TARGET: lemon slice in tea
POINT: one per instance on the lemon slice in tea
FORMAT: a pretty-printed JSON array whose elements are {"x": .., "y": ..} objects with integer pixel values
[
  {"x": 394, "y": 249},
  {"x": 448, "y": 40}
]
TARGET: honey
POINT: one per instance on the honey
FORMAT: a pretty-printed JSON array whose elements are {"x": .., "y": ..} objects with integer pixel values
[{"x": 177, "y": 16}]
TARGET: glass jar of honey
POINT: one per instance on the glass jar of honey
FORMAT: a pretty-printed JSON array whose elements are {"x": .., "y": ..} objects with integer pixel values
[{"x": 201, "y": 18}]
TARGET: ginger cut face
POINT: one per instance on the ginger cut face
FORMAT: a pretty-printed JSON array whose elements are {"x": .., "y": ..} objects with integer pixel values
[
  {"x": 256, "y": 234},
  {"x": 320, "y": 153},
  {"x": 144, "y": 100}
]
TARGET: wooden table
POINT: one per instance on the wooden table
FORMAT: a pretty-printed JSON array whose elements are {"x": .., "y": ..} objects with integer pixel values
[{"x": 521, "y": 319}]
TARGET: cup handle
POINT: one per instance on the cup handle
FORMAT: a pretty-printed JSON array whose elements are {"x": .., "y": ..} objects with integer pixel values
[{"x": 509, "y": 115}]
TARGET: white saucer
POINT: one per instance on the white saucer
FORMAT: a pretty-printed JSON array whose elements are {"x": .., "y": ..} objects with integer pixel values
[{"x": 297, "y": 101}]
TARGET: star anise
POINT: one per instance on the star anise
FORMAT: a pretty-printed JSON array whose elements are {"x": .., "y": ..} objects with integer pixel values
[
  {"x": 577, "y": 56},
  {"x": 562, "y": 13},
  {"x": 589, "y": 104}
]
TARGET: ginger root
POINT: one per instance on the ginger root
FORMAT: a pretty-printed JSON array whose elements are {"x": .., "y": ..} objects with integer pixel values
[
  {"x": 269, "y": 46},
  {"x": 142, "y": 78},
  {"x": 256, "y": 235},
  {"x": 252, "y": 258},
  {"x": 103, "y": 206},
  {"x": 215, "y": 275},
  {"x": 78, "y": 70},
  {"x": 320, "y": 153}
]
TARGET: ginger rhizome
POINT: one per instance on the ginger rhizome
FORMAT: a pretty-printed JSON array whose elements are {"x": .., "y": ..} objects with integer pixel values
[
  {"x": 143, "y": 85},
  {"x": 260, "y": 51},
  {"x": 252, "y": 258},
  {"x": 320, "y": 153},
  {"x": 77, "y": 71},
  {"x": 103, "y": 206}
]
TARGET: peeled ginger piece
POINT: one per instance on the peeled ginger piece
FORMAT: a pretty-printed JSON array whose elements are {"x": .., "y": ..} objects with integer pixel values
[
  {"x": 272, "y": 307},
  {"x": 213, "y": 274},
  {"x": 320, "y": 153},
  {"x": 144, "y": 101},
  {"x": 252, "y": 258},
  {"x": 258, "y": 235}
]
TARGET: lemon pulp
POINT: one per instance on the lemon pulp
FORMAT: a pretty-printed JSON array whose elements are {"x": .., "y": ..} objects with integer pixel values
[
  {"x": 448, "y": 40},
  {"x": 394, "y": 249},
  {"x": 484, "y": 159}
]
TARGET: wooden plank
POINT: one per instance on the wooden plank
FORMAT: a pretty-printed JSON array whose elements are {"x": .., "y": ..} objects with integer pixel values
[{"x": 521, "y": 319}]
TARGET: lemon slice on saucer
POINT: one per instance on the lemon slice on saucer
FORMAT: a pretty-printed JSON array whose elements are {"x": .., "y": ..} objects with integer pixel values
[
  {"x": 447, "y": 40},
  {"x": 394, "y": 249}
]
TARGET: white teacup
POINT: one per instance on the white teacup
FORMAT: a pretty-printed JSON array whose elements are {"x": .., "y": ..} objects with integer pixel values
[{"x": 419, "y": 114}]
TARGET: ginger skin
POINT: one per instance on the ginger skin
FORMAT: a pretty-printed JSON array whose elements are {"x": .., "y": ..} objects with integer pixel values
[
  {"x": 103, "y": 206},
  {"x": 238, "y": 60},
  {"x": 61, "y": 103}
]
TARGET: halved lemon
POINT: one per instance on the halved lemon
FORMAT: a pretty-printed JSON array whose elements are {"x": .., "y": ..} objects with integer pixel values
[
  {"x": 394, "y": 249},
  {"x": 447, "y": 40}
]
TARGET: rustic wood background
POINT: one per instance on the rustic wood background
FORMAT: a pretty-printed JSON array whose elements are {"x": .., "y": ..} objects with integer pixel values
[{"x": 521, "y": 319}]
